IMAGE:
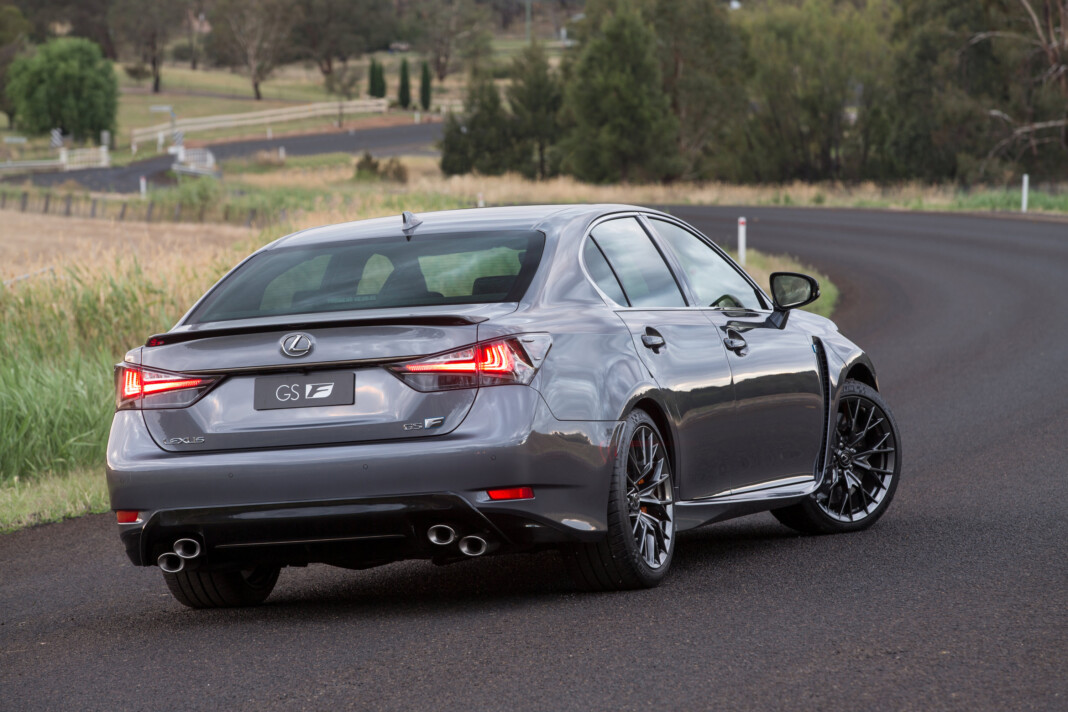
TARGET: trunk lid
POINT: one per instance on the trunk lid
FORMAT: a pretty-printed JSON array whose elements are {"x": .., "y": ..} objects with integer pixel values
[{"x": 346, "y": 353}]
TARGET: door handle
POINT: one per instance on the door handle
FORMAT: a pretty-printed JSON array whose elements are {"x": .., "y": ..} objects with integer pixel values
[
  {"x": 653, "y": 341},
  {"x": 737, "y": 345}
]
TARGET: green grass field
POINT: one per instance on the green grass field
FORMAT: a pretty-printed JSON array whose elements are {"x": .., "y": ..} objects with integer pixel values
[{"x": 293, "y": 83}]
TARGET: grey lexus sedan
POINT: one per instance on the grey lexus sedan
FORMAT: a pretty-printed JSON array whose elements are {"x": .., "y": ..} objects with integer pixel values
[{"x": 593, "y": 379}]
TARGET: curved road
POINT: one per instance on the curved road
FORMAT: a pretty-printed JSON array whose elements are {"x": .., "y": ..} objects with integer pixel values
[
  {"x": 955, "y": 600},
  {"x": 386, "y": 141}
]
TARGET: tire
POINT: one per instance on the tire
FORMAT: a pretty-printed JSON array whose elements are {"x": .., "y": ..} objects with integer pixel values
[
  {"x": 640, "y": 499},
  {"x": 222, "y": 589},
  {"x": 863, "y": 469}
]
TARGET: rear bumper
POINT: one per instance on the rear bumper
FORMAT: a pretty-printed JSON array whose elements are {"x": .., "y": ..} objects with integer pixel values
[{"x": 372, "y": 500}]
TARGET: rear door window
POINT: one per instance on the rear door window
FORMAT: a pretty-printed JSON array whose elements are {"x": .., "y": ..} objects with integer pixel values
[
  {"x": 642, "y": 272},
  {"x": 377, "y": 273}
]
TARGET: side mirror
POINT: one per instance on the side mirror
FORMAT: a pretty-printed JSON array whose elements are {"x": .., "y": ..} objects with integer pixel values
[{"x": 791, "y": 290}]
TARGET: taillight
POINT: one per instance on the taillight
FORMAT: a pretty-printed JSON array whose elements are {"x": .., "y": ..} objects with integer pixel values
[
  {"x": 508, "y": 493},
  {"x": 139, "y": 387},
  {"x": 492, "y": 363}
]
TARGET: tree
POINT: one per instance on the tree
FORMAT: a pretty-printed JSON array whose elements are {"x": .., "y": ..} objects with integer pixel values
[
  {"x": 78, "y": 18},
  {"x": 815, "y": 89},
  {"x": 449, "y": 28},
  {"x": 937, "y": 84},
  {"x": 1036, "y": 114},
  {"x": 333, "y": 31},
  {"x": 535, "y": 96},
  {"x": 256, "y": 32},
  {"x": 424, "y": 87},
  {"x": 621, "y": 122},
  {"x": 344, "y": 82},
  {"x": 481, "y": 140},
  {"x": 65, "y": 84},
  {"x": 195, "y": 15},
  {"x": 376, "y": 81},
  {"x": 404, "y": 91},
  {"x": 703, "y": 64},
  {"x": 147, "y": 26},
  {"x": 14, "y": 30}
]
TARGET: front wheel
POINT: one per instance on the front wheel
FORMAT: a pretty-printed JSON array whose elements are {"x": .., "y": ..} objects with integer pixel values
[
  {"x": 864, "y": 465},
  {"x": 641, "y": 517}
]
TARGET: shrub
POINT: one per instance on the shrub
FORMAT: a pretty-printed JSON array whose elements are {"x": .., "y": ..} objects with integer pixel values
[
  {"x": 65, "y": 84},
  {"x": 182, "y": 52},
  {"x": 138, "y": 71},
  {"x": 368, "y": 168}
]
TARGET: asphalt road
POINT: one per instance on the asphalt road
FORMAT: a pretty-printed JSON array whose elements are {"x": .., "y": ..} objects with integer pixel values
[
  {"x": 956, "y": 599},
  {"x": 388, "y": 141}
]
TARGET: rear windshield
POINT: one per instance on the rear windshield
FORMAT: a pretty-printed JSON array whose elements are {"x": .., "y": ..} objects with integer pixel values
[{"x": 378, "y": 273}]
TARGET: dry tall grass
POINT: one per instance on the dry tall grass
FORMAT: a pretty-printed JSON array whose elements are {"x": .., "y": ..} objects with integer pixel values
[
  {"x": 30, "y": 242},
  {"x": 425, "y": 178}
]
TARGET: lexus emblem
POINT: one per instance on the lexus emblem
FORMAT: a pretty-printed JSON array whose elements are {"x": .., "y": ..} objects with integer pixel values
[{"x": 297, "y": 345}]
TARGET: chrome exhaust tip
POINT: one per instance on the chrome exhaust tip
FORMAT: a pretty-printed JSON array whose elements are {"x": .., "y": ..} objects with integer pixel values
[
  {"x": 473, "y": 546},
  {"x": 441, "y": 534},
  {"x": 187, "y": 548},
  {"x": 170, "y": 563}
]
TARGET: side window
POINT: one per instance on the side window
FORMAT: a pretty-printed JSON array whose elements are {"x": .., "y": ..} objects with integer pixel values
[
  {"x": 642, "y": 272},
  {"x": 602, "y": 275},
  {"x": 715, "y": 281}
]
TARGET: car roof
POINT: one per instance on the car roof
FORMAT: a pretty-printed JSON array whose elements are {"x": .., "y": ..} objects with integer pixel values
[{"x": 519, "y": 217}]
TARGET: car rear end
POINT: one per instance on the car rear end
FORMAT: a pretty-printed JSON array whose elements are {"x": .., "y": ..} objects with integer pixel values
[{"x": 331, "y": 400}]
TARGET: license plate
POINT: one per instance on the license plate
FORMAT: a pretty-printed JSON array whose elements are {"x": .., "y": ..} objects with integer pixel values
[{"x": 305, "y": 391}]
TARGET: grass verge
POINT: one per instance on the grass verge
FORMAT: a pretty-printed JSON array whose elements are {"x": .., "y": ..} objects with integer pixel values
[{"x": 25, "y": 502}]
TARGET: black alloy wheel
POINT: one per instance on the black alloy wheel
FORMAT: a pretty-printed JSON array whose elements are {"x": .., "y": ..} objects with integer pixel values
[
  {"x": 862, "y": 471},
  {"x": 650, "y": 505},
  {"x": 640, "y": 543}
]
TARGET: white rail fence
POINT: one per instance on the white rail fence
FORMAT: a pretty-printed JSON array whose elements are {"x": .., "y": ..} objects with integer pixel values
[
  {"x": 160, "y": 132},
  {"x": 193, "y": 161},
  {"x": 70, "y": 159}
]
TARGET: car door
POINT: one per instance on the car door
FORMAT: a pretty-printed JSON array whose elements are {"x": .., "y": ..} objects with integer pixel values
[
  {"x": 777, "y": 425},
  {"x": 686, "y": 359}
]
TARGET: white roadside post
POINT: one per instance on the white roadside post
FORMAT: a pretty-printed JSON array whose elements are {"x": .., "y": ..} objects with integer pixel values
[
  {"x": 144, "y": 187},
  {"x": 1023, "y": 196},
  {"x": 741, "y": 241}
]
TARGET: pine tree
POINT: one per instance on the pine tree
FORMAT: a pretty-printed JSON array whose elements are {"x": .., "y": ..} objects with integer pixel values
[
  {"x": 376, "y": 81},
  {"x": 482, "y": 140},
  {"x": 371, "y": 78},
  {"x": 382, "y": 88},
  {"x": 424, "y": 87},
  {"x": 404, "y": 92},
  {"x": 623, "y": 126},
  {"x": 535, "y": 96}
]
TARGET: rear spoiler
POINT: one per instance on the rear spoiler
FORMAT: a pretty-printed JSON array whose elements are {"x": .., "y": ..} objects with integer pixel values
[{"x": 175, "y": 337}]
